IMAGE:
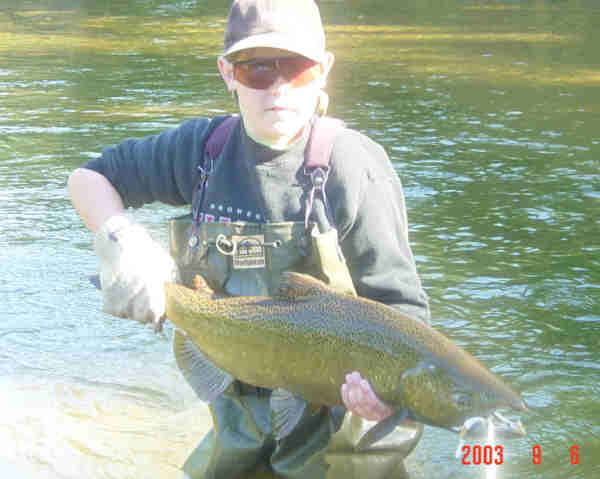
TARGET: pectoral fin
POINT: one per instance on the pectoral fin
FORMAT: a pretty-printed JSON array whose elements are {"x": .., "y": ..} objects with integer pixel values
[
  {"x": 206, "y": 379},
  {"x": 382, "y": 429},
  {"x": 287, "y": 412}
]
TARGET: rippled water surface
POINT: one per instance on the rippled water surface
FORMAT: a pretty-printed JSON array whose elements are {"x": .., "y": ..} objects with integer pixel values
[{"x": 490, "y": 112}]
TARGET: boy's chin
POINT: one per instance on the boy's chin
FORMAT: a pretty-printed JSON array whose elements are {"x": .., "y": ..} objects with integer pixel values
[{"x": 286, "y": 125}]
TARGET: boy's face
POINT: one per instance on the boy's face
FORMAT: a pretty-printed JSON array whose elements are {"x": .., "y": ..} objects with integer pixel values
[{"x": 276, "y": 114}]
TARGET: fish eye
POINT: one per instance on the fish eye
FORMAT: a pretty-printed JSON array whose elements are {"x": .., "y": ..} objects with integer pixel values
[{"x": 461, "y": 399}]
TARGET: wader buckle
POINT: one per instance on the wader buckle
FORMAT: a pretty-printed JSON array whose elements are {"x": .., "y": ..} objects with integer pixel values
[
  {"x": 318, "y": 177},
  {"x": 225, "y": 246}
]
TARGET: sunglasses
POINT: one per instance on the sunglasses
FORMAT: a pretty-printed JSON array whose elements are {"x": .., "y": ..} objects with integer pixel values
[{"x": 262, "y": 73}]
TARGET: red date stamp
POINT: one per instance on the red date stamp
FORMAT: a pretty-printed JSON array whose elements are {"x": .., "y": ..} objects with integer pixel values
[
  {"x": 487, "y": 455},
  {"x": 536, "y": 454}
]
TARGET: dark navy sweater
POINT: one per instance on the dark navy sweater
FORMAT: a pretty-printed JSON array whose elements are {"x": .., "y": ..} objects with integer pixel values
[{"x": 254, "y": 183}]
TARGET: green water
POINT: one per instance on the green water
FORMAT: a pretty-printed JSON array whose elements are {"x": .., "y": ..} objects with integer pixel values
[{"x": 490, "y": 112}]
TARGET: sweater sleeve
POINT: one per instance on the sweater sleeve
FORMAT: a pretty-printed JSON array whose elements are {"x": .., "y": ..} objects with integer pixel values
[
  {"x": 370, "y": 214},
  {"x": 161, "y": 168}
]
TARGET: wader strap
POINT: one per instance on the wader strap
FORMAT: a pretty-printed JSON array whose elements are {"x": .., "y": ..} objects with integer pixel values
[
  {"x": 216, "y": 142},
  {"x": 320, "y": 144},
  {"x": 212, "y": 149},
  {"x": 316, "y": 162}
]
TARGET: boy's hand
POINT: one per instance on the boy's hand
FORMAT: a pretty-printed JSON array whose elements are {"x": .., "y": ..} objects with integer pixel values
[{"x": 359, "y": 398}]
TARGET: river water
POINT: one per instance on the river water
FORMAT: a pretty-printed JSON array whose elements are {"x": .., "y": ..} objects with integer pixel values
[{"x": 490, "y": 111}]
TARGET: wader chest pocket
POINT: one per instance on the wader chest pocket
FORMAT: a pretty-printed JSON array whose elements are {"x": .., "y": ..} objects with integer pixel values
[{"x": 243, "y": 259}]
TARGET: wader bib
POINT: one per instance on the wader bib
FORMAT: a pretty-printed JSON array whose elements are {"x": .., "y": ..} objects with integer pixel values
[{"x": 247, "y": 259}]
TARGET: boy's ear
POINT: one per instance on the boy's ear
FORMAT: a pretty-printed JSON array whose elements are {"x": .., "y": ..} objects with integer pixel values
[
  {"x": 327, "y": 65},
  {"x": 226, "y": 70}
]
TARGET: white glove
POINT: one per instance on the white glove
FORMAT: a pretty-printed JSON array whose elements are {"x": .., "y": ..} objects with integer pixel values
[{"x": 134, "y": 270}]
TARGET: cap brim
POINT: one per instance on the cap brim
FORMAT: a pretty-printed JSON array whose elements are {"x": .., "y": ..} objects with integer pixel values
[{"x": 277, "y": 40}]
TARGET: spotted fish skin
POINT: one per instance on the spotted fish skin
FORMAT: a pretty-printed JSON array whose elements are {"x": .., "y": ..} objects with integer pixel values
[{"x": 306, "y": 339}]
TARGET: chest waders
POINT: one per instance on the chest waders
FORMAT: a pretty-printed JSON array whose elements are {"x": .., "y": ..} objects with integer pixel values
[{"x": 247, "y": 259}]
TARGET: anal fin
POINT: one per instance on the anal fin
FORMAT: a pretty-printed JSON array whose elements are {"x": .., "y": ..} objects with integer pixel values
[
  {"x": 207, "y": 380},
  {"x": 287, "y": 412}
]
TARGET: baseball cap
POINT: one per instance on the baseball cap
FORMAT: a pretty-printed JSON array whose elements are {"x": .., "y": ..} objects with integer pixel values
[{"x": 293, "y": 25}]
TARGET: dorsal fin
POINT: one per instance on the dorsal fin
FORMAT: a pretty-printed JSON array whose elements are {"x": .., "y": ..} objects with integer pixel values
[{"x": 298, "y": 286}]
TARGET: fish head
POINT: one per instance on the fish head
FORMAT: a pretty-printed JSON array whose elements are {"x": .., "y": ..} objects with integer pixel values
[
  {"x": 434, "y": 398},
  {"x": 476, "y": 400},
  {"x": 439, "y": 397}
]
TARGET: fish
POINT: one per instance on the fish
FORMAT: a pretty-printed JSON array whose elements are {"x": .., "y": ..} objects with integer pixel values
[{"x": 301, "y": 343}]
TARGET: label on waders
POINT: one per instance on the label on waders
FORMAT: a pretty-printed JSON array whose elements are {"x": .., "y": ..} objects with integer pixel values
[{"x": 249, "y": 252}]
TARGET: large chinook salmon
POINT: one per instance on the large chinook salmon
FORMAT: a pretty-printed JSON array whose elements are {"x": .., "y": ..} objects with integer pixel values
[{"x": 302, "y": 343}]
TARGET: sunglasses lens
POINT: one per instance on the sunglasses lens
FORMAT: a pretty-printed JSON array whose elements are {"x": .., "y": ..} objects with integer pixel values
[
  {"x": 259, "y": 75},
  {"x": 262, "y": 74},
  {"x": 299, "y": 71}
]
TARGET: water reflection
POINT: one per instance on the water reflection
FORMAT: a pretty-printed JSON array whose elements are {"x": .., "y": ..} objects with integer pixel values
[
  {"x": 77, "y": 429},
  {"x": 489, "y": 111}
]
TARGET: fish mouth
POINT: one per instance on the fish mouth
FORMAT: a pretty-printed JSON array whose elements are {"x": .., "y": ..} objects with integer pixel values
[{"x": 477, "y": 428}]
